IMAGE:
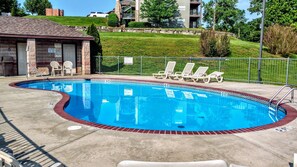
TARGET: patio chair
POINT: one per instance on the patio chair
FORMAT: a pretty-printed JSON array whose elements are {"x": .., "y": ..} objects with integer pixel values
[
  {"x": 56, "y": 67},
  {"x": 67, "y": 67},
  {"x": 168, "y": 70},
  {"x": 8, "y": 160},
  {"x": 186, "y": 71},
  {"x": 199, "y": 74},
  {"x": 214, "y": 75}
]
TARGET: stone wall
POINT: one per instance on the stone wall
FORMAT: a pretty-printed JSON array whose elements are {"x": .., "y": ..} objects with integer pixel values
[{"x": 148, "y": 30}]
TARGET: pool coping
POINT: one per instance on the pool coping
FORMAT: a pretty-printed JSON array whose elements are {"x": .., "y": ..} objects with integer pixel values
[{"x": 291, "y": 113}]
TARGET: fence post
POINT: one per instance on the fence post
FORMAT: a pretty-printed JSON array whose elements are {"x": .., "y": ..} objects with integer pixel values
[
  {"x": 165, "y": 61},
  {"x": 287, "y": 72},
  {"x": 249, "y": 70},
  {"x": 141, "y": 65},
  {"x": 118, "y": 64},
  {"x": 220, "y": 64},
  {"x": 99, "y": 64}
]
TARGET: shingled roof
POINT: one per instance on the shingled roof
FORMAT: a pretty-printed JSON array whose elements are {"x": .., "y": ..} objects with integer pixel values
[{"x": 37, "y": 28}]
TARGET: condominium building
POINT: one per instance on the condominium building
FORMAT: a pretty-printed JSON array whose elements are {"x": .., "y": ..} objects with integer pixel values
[{"x": 190, "y": 12}]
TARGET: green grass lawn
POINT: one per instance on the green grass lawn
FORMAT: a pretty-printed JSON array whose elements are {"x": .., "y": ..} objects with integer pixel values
[
  {"x": 151, "y": 52},
  {"x": 147, "y": 44},
  {"x": 73, "y": 20}
]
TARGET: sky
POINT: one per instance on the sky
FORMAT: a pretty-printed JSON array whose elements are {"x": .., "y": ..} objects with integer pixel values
[
  {"x": 81, "y": 7},
  {"x": 84, "y": 7}
]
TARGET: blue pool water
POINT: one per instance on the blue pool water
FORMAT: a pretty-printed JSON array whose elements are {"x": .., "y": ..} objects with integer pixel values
[{"x": 158, "y": 107}]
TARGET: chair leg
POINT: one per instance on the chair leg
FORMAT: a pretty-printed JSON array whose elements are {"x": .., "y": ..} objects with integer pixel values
[
  {"x": 220, "y": 79},
  {"x": 206, "y": 79}
]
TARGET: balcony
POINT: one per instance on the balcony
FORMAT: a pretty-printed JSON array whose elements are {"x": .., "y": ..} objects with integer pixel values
[
  {"x": 128, "y": 3},
  {"x": 196, "y": 2},
  {"x": 129, "y": 16},
  {"x": 195, "y": 13}
]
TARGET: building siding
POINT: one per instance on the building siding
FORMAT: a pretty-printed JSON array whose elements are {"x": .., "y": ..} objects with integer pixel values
[
  {"x": 8, "y": 47},
  {"x": 185, "y": 7}
]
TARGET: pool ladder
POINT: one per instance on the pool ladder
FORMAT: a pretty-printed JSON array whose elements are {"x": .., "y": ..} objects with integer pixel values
[{"x": 291, "y": 91}]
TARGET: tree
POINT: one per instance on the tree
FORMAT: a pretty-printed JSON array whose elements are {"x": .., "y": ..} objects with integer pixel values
[
  {"x": 96, "y": 48},
  {"x": 37, "y": 6},
  {"x": 159, "y": 11},
  {"x": 6, "y": 5},
  {"x": 112, "y": 20},
  {"x": 16, "y": 9},
  {"x": 225, "y": 13},
  {"x": 13, "y": 7},
  {"x": 282, "y": 12},
  {"x": 250, "y": 31}
]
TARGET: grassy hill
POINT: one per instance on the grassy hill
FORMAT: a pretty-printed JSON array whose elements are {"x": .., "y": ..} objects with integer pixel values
[
  {"x": 163, "y": 47},
  {"x": 146, "y": 44},
  {"x": 73, "y": 20}
]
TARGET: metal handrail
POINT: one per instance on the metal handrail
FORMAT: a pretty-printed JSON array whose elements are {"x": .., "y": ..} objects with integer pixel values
[
  {"x": 292, "y": 97},
  {"x": 283, "y": 97},
  {"x": 277, "y": 93}
]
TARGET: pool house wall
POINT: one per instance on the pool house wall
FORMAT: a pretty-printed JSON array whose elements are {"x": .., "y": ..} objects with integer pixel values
[{"x": 40, "y": 52}]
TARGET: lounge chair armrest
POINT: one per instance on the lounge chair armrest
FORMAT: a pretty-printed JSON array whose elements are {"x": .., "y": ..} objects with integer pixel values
[
  {"x": 161, "y": 72},
  {"x": 178, "y": 73}
]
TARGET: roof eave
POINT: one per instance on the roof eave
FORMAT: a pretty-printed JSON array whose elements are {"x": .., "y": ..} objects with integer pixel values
[{"x": 46, "y": 37}]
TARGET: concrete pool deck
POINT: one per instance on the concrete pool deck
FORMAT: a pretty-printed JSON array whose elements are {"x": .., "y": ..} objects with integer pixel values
[{"x": 31, "y": 128}]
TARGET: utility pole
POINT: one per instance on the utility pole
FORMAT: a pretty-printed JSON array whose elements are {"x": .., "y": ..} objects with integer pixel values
[
  {"x": 214, "y": 16},
  {"x": 261, "y": 41}
]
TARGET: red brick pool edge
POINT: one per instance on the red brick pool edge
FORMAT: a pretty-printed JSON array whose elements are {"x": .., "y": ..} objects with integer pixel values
[{"x": 291, "y": 113}]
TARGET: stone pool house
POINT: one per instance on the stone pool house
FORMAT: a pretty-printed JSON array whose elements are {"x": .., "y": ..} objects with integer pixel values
[{"x": 27, "y": 45}]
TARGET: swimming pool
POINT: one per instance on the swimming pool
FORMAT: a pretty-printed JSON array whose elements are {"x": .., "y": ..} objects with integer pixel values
[{"x": 157, "y": 107}]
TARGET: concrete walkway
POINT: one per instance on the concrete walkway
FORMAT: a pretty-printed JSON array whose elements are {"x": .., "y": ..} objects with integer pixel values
[{"x": 30, "y": 127}]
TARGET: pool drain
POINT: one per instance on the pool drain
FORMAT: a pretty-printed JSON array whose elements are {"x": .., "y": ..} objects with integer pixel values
[
  {"x": 70, "y": 128},
  {"x": 181, "y": 126}
]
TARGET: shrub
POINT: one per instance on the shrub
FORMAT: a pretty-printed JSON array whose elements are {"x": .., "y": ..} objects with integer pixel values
[
  {"x": 95, "y": 48},
  {"x": 213, "y": 45},
  {"x": 223, "y": 46},
  {"x": 134, "y": 24},
  {"x": 113, "y": 20},
  {"x": 280, "y": 40}
]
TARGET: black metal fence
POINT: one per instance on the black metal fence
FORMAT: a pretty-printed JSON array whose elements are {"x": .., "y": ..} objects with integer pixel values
[{"x": 273, "y": 70}]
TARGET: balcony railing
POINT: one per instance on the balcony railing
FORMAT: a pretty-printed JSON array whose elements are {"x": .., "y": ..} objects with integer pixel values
[
  {"x": 129, "y": 16},
  {"x": 195, "y": 13}
]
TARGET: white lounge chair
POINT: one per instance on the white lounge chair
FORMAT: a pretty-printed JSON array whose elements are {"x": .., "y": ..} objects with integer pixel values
[
  {"x": 56, "y": 67},
  {"x": 168, "y": 70},
  {"x": 186, "y": 71},
  {"x": 68, "y": 67},
  {"x": 214, "y": 75},
  {"x": 199, "y": 74}
]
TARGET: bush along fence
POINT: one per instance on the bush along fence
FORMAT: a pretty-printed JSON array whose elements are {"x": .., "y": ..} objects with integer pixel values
[{"x": 273, "y": 71}]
